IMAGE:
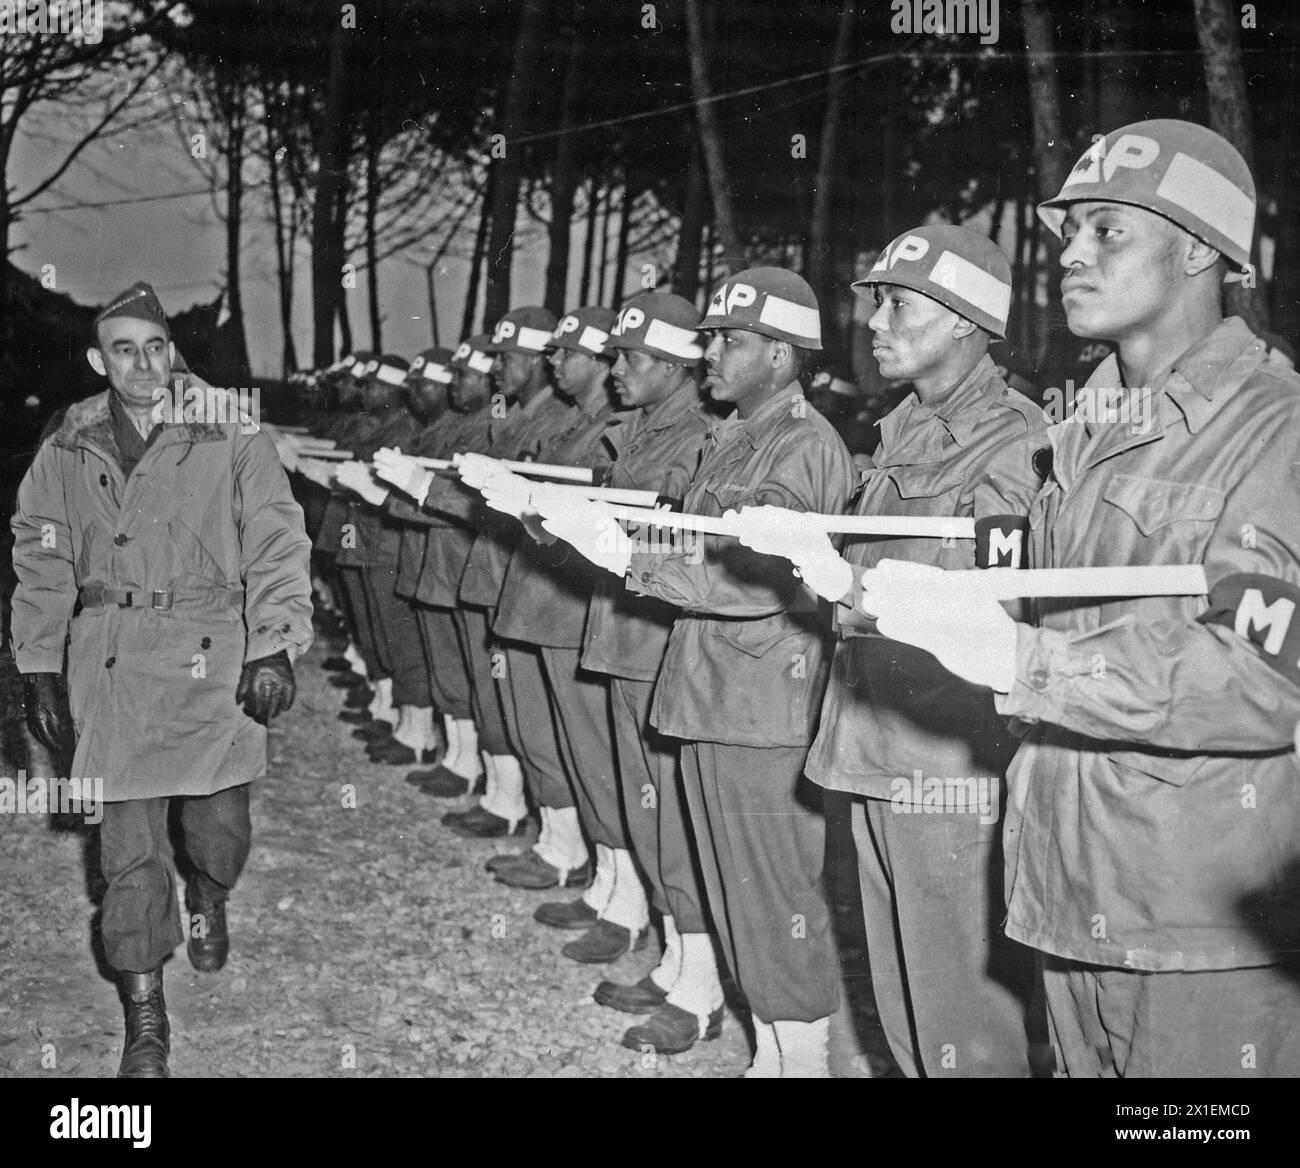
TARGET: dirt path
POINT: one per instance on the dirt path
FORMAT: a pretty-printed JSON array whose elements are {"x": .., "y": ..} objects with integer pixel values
[{"x": 366, "y": 940}]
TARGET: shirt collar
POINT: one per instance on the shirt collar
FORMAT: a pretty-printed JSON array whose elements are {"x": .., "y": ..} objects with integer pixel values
[
  {"x": 914, "y": 424},
  {"x": 764, "y": 419},
  {"x": 528, "y": 410},
  {"x": 663, "y": 414},
  {"x": 1216, "y": 365}
]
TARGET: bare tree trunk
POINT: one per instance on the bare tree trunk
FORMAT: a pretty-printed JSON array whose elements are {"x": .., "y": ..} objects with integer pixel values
[
  {"x": 686, "y": 278},
  {"x": 564, "y": 178},
  {"x": 624, "y": 241},
  {"x": 1216, "y": 29},
  {"x": 233, "y": 95},
  {"x": 820, "y": 267},
  {"x": 283, "y": 245},
  {"x": 602, "y": 274},
  {"x": 372, "y": 213},
  {"x": 1052, "y": 158},
  {"x": 505, "y": 201},
  {"x": 327, "y": 225},
  {"x": 594, "y": 197},
  {"x": 476, "y": 263},
  {"x": 345, "y": 324},
  {"x": 733, "y": 255}
]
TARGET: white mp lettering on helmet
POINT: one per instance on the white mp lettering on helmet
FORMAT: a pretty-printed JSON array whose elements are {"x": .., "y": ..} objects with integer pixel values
[
  {"x": 773, "y": 302},
  {"x": 435, "y": 372},
  {"x": 1180, "y": 170},
  {"x": 958, "y": 267},
  {"x": 390, "y": 374},
  {"x": 629, "y": 319}
]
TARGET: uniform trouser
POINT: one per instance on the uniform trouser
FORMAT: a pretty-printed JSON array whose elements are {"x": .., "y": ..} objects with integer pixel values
[
  {"x": 448, "y": 677},
  {"x": 140, "y": 924},
  {"x": 953, "y": 992},
  {"x": 654, "y": 808},
  {"x": 361, "y": 620},
  {"x": 397, "y": 637},
  {"x": 581, "y": 703},
  {"x": 530, "y": 723},
  {"x": 761, "y": 855},
  {"x": 473, "y": 628},
  {"x": 1121, "y": 1023}
]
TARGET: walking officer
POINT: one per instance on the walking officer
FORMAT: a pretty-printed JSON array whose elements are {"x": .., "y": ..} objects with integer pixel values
[{"x": 170, "y": 558}]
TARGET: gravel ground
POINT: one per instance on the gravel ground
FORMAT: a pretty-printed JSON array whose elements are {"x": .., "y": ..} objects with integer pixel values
[{"x": 366, "y": 941}]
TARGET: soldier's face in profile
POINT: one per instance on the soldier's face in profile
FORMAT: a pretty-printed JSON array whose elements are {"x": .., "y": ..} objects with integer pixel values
[
  {"x": 1121, "y": 266},
  {"x": 738, "y": 364},
  {"x": 640, "y": 379},
  {"x": 512, "y": 371},
  {"x": 469, "y": 388},
  {"x": 913, "y": 333},
  {"x": 135, "y": 356},
  {"x": 575, "y": 372},
  {"x": 427, "y": 397}
]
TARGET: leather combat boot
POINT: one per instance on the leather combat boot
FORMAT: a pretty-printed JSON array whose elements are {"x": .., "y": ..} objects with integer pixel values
[
  {"x": 148, "y": 1035},
  {"x": 208, "y": 943},
  {"x": 672, "y": 1030}
]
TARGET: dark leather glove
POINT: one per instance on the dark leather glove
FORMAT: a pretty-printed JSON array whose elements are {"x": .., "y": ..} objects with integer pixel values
[
  {"x": 266, "y": 687},
  {"x": 49, "y": 716}
]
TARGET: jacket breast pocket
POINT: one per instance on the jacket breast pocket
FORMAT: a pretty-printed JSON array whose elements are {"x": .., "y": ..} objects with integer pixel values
[
  {"x": 937, "y": 485},
  {"x": 728, "y": 496},
  {"x": 1177, "y": 516}
]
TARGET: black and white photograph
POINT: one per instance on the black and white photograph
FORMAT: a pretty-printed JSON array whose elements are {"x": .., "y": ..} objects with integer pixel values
[{"x": 601, "y": 539}]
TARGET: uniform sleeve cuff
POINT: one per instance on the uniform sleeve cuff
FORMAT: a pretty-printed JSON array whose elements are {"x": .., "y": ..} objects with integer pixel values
[
  {"x": 640, "y": 571},
  {"x": 1043, "y": 671}
]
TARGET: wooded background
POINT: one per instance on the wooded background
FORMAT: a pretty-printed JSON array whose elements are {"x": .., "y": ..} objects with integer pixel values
[{"x": 667, "y": 142}]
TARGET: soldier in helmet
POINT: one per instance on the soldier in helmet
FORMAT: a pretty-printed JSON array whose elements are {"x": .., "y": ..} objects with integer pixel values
[
  {"x": 898, "y": 731},
  {"x": 476, "y": 734},
  {"x": 1154, "y": 811},
  {"x": 745, "y": 668}
]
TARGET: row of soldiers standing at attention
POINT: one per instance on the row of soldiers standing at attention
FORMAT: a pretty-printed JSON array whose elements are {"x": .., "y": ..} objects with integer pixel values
[
  {"x": 1072, "y": 770},
  {"x": 1079, "y": 796}
]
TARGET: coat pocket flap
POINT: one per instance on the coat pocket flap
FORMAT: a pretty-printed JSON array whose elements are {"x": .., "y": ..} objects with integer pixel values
[
  {"x": 924, "y": 482},
  {"x": 1155, "y": 503},
  {"x": 1174, "y": 769}
]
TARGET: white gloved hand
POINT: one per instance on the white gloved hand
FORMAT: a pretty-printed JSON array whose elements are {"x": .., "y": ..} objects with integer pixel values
[
  {"x": 317, "y": 471},
  {"x": 477, "y": 469},
  {"x": 404, "y": 473},
  {"x": 963, "y": 626},
  {"x": 589, "y": 527},
  {"x": 779, "y": 531},
  {"x": 356, "y": 477},
  {"x": 508, "y": 493}
]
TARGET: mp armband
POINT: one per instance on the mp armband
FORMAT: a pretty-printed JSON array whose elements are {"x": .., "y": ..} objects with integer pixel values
[
  {"x": 1000, "y": 541},
  {"x": 1262, "y": 610}
]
